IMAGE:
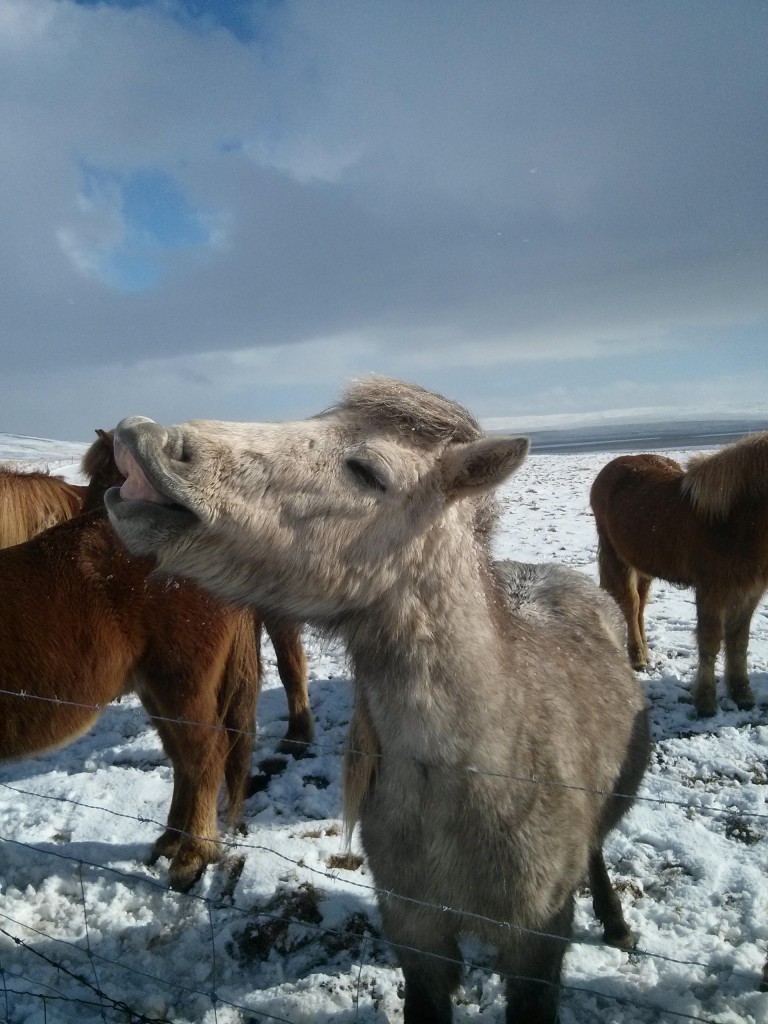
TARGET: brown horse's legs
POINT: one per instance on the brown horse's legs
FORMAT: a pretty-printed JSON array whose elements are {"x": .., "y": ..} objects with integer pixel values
[
  {"x": 292, "y": 666},
  {"x": 607, "y": 905},
  {"x": 622, "y": 583},
  {"x": 643, "y": 587},
  {"x": 737, "y": 623},
  {"x": 197, "y": 753},
  {"x": 709, "y": 633}
]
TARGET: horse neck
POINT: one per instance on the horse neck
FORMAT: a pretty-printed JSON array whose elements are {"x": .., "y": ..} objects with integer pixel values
[
  {"x": 94, "y": 497},
  {"x": 429, "y": 658}
]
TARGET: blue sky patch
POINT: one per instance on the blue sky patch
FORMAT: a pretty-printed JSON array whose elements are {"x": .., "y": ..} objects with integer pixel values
[
  {"x": 144, "y": 217},
  {"x": 238, "y": 16}
]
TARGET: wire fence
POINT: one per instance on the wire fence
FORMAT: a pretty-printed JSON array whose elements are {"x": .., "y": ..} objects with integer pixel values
[{"x": 80, "y": 964}]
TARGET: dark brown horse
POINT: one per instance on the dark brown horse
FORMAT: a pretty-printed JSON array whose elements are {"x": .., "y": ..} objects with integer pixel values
[
  {"x": 84, "y": 622},
  {"x": 704, "y": 527}
]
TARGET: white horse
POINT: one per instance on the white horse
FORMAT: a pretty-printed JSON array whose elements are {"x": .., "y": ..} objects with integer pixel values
[{"x": 509, "y": 743}]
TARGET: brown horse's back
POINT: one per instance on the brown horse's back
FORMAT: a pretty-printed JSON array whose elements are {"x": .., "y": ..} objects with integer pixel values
[
  {"x": 32, "y": 502},
  {"x": 638, "y": 506}
]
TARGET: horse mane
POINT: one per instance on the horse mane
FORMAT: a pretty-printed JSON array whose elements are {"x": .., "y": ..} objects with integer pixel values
[
  {"x": 31, "y": 502},
  {"x": 714, "y": 483},
  {"x": 100, "y": 455},
  {"x": 410, "y": 410}
]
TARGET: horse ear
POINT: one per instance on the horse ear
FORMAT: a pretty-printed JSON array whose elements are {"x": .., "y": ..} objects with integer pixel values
[
  {"x": 101, "y": 433},
  {"x": 471, "y": 469}
]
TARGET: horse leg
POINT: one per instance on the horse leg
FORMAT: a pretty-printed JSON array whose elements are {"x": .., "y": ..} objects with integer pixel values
[
  {"x": 643, "y": 587},
  {"x": 709, "y": 634},
  {"x": 431, "y": 962},
  {"x": 621, "y": 582},
  {"x": 196, "y": 745},
  {"x": 533, "y": 988},
  {"x": 292, "y": 667},
  {"x": 737, "y": 623},
  {"x": 607, "y": 905}
]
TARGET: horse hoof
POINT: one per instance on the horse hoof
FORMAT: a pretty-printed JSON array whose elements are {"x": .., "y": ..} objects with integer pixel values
[
  {"x": 706, "y": 710},
  {"x": 296, "y": 748},
  {"x": 185, "y": 880},
  {"x": 620, "y": 938},
  {"x": 182, "y": 876},
  {"x": 166, "y": 846},
  {"x": 744, "y": 699}
]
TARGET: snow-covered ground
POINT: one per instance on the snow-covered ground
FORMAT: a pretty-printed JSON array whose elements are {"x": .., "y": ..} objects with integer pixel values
[{"x": 285, "y": 928}]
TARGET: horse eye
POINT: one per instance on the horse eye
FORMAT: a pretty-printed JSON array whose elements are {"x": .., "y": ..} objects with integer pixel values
[{"x": 365, "y": 475}]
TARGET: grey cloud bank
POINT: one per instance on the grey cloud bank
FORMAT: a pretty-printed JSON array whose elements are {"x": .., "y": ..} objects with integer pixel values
[{"x": 533, "y": 207}]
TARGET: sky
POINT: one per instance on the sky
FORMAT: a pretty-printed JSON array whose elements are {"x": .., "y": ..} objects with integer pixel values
[{"x": 227, "y": 209}]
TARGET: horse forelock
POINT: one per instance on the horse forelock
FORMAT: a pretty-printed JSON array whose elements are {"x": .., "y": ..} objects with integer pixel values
[
  {"x": 410, "y": 411},
  {"x": 421, "y": 417},
  {"x": 713, "y": 483}
]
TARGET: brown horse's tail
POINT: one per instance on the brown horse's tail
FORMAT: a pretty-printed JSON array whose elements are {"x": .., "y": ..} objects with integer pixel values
[
  {"x": 238, "y": 697},
  {"x": 361, "y": 755}
]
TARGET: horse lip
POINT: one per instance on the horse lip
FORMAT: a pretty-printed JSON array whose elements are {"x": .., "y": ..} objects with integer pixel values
[
  {"x": 125, "y": 509},
  {"x": 152, "y": 447}
]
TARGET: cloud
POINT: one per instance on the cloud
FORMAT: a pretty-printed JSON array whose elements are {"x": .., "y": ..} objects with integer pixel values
[
  {"x": 431, "y": 186},
  {"x": 130, "y": 225}
]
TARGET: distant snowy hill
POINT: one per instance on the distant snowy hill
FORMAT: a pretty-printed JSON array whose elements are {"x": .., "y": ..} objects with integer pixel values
[
  {"x": 40, "y": 452},
  {"x": 564, "y": 433},
  {"x": 556, "y": 433}
]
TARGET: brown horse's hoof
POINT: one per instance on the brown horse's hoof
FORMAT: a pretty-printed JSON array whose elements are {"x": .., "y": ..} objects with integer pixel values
[
  {"x": 189, "y": 865},
  {"x": 743, "y": 698},
  {"x": 301, "y": 733},
  {"x": 705, "y": 702},
  {"x": 706, "y": 710},
  {"x": 638, "y": 658},
  {"x": 166, "y": 846},
  {"x": 183, "y": 880}
]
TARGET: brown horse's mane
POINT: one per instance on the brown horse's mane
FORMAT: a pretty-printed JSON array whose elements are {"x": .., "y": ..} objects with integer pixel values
[
  {"x": 42, "y": 501},
  {"x": 410, "y": 410},
  {"x": 99, "y": 457},
  {"x": 714, "y": 483}
]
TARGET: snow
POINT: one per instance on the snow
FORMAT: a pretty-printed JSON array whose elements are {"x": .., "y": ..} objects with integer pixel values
[{"x": 285, "y": 927}]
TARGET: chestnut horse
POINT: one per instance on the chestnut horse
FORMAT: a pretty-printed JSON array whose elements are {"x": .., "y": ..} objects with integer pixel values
[
  {"x": 704, "y": 527},
  {"x": 30, "y": 502},
  {"x": 84, "y": 622},
  {"x": 510, "y": 743}
]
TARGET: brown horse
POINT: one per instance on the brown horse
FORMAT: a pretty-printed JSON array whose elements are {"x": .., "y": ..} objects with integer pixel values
[
  {"x": 84, "y": 622},
  {"x": 31, "y": 502},
  {"x": 497, "y": 779},
  {"x": 704, "y": 527}
]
